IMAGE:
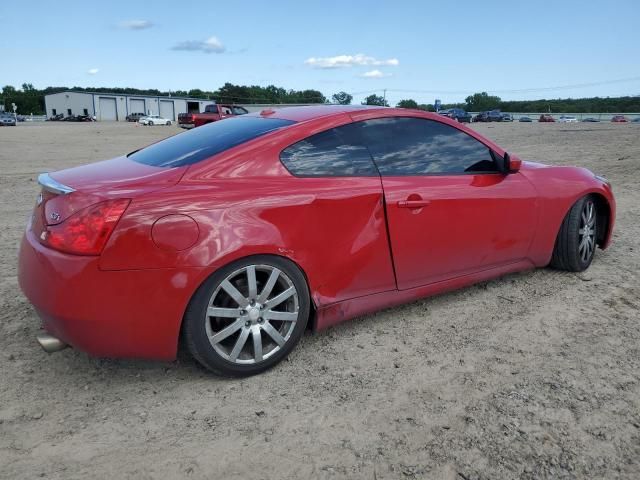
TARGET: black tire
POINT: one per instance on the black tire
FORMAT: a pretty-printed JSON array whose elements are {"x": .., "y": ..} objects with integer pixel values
[
  {"x": 168, "y": 123},
  {"x": 150, "y": 123},
  {"x": 198, "y": 326},
  {"x": 569, "y": 253}
]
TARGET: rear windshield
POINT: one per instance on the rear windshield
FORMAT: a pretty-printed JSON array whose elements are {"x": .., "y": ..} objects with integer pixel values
[{"x": 203, "y": 142}]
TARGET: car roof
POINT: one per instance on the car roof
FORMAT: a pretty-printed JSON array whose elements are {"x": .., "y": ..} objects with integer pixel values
[{"x": 301, "y": 114}]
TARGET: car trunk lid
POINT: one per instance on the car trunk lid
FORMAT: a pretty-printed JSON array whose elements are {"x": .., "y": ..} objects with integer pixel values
[{"x": 67, "y": 191}]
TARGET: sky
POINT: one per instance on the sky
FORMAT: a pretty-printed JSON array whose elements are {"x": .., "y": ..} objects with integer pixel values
[{"x": 412, "y": 49}]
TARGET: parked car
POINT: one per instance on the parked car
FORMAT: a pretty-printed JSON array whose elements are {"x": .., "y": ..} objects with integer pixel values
[
  {"x": 506, "y": 117},
  {"x": 567, "y": 119},
  {"x": 459, "y": 115},
  {"x": 154, "y": 120},
  {"x": 619, "y": 119},
  {"x": 135, "y": 117},
  {"x": 79, "y": 118},
  {"x": 636, "y": 120},
  {"x": 546, "y": 118},
  {"x": 590, "y": 119},
  {"x": 212, "y": 113},
  {"x": 7, "y": 120},
  {"x": 525, "y": 119},
  {"x": 234, "y": 236},
  {"x": 489, "y": 116}
]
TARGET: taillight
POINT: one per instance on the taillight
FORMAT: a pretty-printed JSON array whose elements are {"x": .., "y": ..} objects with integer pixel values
[{"x": 85, "y": 232}]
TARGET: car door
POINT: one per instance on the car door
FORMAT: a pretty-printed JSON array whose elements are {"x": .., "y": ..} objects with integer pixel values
[
  {"x": 450, "y": 211},
  {"x": 341, "y": 215}
]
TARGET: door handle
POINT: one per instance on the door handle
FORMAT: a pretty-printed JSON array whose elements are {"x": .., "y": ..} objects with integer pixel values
[{"x": 413, "y": 203}]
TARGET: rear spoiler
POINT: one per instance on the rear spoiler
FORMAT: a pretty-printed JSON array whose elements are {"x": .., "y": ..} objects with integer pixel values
[{"x": 53, "y": 186}]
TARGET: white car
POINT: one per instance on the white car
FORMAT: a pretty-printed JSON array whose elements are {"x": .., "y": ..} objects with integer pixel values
[
  {"x": 154, "y": 120},
  {"x": 567, "y": 119}
]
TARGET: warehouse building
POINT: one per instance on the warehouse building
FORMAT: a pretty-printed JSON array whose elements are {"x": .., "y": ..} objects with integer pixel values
[{"x": 116, "y": 106}]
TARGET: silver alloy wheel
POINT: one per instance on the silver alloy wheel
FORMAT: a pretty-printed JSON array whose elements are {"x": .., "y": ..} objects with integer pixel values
[
  {"x": 259, "y": 301},
  {"x": 587, "y": 231}
]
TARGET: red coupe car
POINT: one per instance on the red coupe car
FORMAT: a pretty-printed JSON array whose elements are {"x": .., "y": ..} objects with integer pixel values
[{"x": 236, "y": 236}]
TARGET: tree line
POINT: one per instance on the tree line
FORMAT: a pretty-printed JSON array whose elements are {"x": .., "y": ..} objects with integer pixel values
[
  {"x": 479, "y": 102},
  {"x": 29, "y": 99}
]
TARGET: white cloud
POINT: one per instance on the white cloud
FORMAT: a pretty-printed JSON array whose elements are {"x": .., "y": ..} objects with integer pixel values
[
  {"x": 135, "y": 24},
  {"x": 375, "y": 74},
  {"x": 211, "y": 45},
  {"x": 342, "y": 61},
  {"x": 93, "y": 71}
]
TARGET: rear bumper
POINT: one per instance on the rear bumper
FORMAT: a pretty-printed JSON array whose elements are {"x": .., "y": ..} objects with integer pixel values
[{"x": 116, "y": 314}]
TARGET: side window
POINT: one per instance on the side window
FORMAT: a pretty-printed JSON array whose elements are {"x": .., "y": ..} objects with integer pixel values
[
  {"x": 415, "y": 146},
  {"x": 338, "y": 152}
]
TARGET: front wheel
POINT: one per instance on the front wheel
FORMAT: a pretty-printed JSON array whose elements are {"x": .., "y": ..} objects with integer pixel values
[
  {"x": 150, "y": 123},
  {"x": 576, "y": 241},
  {"x": 247, "y": 316},
  {"x": 169, "y": 123}
]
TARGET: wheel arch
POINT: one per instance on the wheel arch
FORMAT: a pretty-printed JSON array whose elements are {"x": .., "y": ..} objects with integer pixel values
[{"x": 603, "y": 212}]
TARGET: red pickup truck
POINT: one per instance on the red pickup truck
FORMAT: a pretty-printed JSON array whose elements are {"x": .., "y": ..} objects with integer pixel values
[{"x": 212, "y": 113}]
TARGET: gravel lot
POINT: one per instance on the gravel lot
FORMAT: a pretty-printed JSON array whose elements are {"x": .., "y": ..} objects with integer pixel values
[{"x": 535, "y": 375}]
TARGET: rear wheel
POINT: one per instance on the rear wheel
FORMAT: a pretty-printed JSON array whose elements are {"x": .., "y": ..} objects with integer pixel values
[
  {"x": 168, "y": 122},
  {"x": 150, "y": 123},
  {"x": 576, "y": 242},
  {"x": 247, "y": 316}
]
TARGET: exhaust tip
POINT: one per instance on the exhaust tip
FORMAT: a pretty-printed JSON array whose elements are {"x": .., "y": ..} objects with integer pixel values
[{"x": 49, "y": 343}]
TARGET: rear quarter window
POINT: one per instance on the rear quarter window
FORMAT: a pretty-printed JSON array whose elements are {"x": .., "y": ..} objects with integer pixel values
[
  {"x": 203, "y": 142},
  {"x": 338, "y": 152}
]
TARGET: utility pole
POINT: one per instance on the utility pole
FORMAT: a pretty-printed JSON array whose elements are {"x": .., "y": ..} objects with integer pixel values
[{"x": 384, "y": 95}]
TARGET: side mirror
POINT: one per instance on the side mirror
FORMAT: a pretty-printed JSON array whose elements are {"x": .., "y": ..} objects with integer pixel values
[{"x": 511, "y": 164}]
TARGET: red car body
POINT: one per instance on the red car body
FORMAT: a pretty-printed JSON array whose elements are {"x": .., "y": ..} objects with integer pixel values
[
  {"x": 359, "y": 246},
  {"x": 546, "y": 118},
  {"x": 619, "y": 119}
]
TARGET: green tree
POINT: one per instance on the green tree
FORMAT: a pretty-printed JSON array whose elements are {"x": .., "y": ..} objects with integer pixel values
[
  {"x": 482, "y": 101},
  {"x": 305, "y": 96},
  {"x": 374, "y": 99},
  {"x": 197, "y": 93},
  {"x": 342, "y": 98},
  {"x": 410, "y": 103}
]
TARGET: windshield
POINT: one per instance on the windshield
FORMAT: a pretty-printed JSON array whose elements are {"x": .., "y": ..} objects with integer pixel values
[{"x": 205, "y": 141}]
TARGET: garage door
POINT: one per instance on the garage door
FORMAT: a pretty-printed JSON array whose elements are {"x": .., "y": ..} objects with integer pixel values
[
  {"x": 166, "y": 109},
  {"x": 137, "y": 106},
  {"x": 108, "y": 109}
]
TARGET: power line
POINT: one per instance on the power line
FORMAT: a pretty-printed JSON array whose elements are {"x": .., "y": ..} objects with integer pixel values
[{"x": 518, "y": 90}]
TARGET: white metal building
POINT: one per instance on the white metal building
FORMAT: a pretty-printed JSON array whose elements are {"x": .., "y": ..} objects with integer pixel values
[{"x": 116, "y": 107}]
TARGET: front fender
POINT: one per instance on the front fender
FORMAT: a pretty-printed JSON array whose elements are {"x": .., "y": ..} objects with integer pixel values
[{"x": 559, "y": 188}]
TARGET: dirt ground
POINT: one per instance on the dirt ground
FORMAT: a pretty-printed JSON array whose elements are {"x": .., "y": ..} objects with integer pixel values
[{"x": 535, "y": 375}]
